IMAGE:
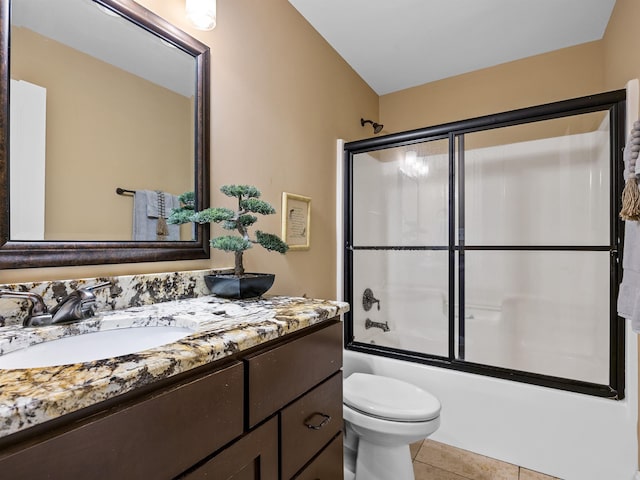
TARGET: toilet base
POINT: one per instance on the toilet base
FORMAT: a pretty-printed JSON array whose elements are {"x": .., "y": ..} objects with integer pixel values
[
  {"x": 349, "y": 459},
  {"x": 383, "y": 462},
  {"x": 348, "y": 474}
]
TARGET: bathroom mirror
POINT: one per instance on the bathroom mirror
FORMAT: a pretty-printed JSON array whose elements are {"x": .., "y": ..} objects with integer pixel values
[{"x": 100, "y": 99}]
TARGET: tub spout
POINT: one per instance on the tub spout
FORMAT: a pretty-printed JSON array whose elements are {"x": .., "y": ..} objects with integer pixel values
[{"x": 384, "y": 326}]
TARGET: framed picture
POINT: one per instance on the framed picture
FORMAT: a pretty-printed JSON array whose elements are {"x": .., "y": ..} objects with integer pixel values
[{"x": 296, "y": 221}]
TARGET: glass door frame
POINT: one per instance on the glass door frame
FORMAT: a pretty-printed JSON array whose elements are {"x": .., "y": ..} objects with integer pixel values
[{"x": 614, "y": 102}]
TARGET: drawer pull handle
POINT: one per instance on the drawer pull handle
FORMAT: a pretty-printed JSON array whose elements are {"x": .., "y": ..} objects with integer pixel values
[{"x": 325, "y": 419}]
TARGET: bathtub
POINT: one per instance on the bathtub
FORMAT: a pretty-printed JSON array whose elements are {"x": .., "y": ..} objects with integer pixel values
[
  {"x": 564, "y": 434},
  {"x": 402, "y": 341}
]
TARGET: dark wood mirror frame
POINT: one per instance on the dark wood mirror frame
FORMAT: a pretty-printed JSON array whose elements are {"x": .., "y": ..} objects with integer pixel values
[{"x": 26, "y": 254}]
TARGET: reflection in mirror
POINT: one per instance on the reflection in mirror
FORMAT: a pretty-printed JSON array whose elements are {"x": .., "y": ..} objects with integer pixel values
[
  {"x": 104, "y": 95},
  {"x": 88, "y": 116}
]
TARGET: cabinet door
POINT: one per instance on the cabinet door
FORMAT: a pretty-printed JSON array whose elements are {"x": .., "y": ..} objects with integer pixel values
[
  {"x": 157, "y": 438},
  {"x": 253, "y": 457},
  {"x": 326, "y": 466}
]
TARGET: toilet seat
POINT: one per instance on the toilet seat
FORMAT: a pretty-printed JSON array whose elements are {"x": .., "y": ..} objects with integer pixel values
[
  {"x": 389, "y": 398},
  {"x": 386, "y": 430}
]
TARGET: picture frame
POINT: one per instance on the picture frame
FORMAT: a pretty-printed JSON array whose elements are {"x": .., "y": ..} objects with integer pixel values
[{"x": 296, "y": 221}]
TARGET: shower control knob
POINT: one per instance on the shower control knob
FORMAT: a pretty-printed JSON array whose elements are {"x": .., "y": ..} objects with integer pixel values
[{"x": 368, "y": 300}]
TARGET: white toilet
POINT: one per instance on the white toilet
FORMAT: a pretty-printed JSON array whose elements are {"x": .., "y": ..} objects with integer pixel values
[{"x": 382, "y": 417}]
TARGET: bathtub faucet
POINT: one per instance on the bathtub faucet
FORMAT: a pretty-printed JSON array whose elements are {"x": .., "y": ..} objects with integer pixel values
[
  {"x": 368, "y": 300},
  {"x": 384, "y": 326}
]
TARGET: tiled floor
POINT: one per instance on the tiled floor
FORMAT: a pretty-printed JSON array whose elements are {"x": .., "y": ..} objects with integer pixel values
[{"x": 437, "y": 461}]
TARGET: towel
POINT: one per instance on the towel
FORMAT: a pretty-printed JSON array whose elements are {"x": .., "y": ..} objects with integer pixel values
[
  {"x": 150, "y": 211},
  {"x": 629, "y": 294}
]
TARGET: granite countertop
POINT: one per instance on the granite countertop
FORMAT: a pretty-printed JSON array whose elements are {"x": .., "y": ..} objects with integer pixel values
[{"x": 221, "y": 328}]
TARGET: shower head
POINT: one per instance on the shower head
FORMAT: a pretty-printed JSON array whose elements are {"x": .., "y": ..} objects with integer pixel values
[{"x": 377, "y": 128}]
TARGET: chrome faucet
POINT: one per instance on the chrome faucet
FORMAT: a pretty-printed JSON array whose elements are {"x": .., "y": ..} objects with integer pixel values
[
  {"x": 78, "y": 305},
  {"x": 37, "y": 314}
]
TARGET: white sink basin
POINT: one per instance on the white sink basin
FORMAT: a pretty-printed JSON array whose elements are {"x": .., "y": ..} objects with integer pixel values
[{"x": 92, "y": 346}]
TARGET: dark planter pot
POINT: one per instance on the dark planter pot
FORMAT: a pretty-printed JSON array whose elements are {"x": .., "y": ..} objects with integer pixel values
[{"x": 247, "y": 286}]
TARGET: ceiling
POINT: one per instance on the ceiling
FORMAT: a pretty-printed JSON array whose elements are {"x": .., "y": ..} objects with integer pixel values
[
  {"x": 102, "y": 34},
  {"x": 397, "y": 44}
]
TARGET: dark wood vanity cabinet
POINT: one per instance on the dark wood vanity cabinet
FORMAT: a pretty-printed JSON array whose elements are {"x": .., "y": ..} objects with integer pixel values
[
  {"x": 252, "y": 457},
  {"x": 272, "y": 413},
  {"x": 301, "y": 380},
  {"x": 327, "y": 465},
  {"x": 158, "y": 437},
  {"x": 309, "y": 424}
]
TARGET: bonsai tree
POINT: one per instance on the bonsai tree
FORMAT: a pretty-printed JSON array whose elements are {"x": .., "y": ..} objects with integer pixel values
[{"x": 240, "y": 220}]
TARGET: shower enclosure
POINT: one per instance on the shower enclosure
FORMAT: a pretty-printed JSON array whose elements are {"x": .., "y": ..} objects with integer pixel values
[{"x": 492, "y": 245}]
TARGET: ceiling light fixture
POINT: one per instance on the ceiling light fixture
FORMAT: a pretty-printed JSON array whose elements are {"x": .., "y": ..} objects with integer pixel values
[
  {"x": 414, "y": 166},
  {"x": 201, "y": 13}
]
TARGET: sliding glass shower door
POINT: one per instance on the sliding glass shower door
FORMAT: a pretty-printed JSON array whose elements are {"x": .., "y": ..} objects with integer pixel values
[
  {"x": 537, "y": 248},
  {"x": 401, "y": 231},
  {"x": 491, "y": 245}
]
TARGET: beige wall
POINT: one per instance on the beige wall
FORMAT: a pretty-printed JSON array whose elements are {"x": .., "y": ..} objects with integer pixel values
[
  {"x": 559, "y": 75},
  {"x": 571, "y": 72},
  {"x": 622, "y": 45},
  {"x": 91, "y": 103},
  {"x": 281, "y": 96}
]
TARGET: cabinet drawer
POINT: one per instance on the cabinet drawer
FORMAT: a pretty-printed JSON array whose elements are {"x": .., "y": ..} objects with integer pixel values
[
  {"x": 280, "y": 375},
  {"x": 326, "y": 466},
  {"x": 156, "y": 438},
  {"x": 309, "y": 424},
  {"x": 254, "y": 456}
]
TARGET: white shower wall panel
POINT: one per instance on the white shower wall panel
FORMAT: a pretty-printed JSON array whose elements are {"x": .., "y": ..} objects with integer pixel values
[
  {"x": 413, "y": 291},
  {"x": 553, "y": 191},
  {"x": 370, "y": 217},
  {"x": 552, "y": 316},
  {"x": 541, "y": 312},
  {"x": 393, "y": 209}
]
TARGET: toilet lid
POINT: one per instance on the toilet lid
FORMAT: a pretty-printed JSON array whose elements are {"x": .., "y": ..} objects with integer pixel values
[{"x": 389, "y": 398}]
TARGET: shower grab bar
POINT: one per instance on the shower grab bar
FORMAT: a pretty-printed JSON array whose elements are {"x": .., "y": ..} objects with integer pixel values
[{"x": 384, "y": 326}]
